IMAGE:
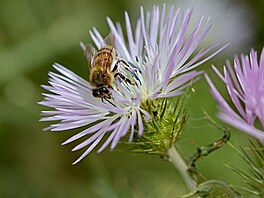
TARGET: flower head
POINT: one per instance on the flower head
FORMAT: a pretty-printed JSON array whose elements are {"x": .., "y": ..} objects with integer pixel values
[
  {"x": 161, "y": 56},
  {"x": 245, "y": 85}
]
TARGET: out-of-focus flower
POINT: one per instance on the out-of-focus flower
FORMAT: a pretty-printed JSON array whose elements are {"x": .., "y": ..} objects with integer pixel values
[
  {"x": 230, "y": 20},
  {"x": 245, "y": 85},
  {"x": 162, "y": 59}
]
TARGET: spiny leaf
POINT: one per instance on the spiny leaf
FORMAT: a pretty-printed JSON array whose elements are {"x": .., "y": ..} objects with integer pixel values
[{"x": 254, "y": 157}]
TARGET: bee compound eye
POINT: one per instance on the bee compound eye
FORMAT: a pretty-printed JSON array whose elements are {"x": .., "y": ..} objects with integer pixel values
[
  {"x": 96, "y": 93},
  {"x": 105, "y": 90}
]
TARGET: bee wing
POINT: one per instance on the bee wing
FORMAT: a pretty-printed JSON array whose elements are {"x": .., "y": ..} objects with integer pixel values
[
  {"x": 89, "y": 53},
  {"x": 110, "y": 40}
]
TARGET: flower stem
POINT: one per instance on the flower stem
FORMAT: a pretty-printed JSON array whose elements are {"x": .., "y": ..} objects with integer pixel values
[
  {"x": 214, "y": 183},
  {"x": 179, "y": 163}
]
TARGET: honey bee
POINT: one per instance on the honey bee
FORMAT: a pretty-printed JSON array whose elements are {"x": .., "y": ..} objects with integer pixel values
[{"x": 103, "y": 67}]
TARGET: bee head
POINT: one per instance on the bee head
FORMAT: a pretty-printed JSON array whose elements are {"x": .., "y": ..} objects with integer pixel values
[{"x": 102, "y": 92}]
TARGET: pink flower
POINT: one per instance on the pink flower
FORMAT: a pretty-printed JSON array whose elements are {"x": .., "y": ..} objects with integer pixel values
[{"x": 245, "y": 85}]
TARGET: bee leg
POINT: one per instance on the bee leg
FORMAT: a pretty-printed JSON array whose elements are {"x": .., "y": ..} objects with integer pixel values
[
  {"x": 133, "y": 70},
  {"x": 123, "y": 62},
  {"x": 124, "y": 78},
  {"x": 115, "y": 67},
  {"x": 108, "y": 101},
  {"x": 128, "y": 67},
  {"x": 125, "y": 65}
]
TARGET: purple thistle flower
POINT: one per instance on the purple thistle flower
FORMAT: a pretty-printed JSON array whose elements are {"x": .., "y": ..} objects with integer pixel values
[
  {"x": 245, "y": 85},
  {"x": 159, "y": 52}
]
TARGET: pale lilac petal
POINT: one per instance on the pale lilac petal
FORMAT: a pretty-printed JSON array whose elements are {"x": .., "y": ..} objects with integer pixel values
[
  {"x": 89, "y": 149},
  {"x": 121, "y": 130},
  {"x": 205, "y": 59},
  {"x": 147, "y": 116},
  {"x": 177, "y": 91},
  {"x": 181, "y": 80},
  {"x": 63, "y": 126},
  {"x": 89, "y": 140},
  {"x": 233, "y": 94},
  {"x": 243, "y": 126},
  {"x": 154, "y": 26},
  {"x": 97, "y": 38},
  {"x": 120, "y": 43},
  {"x": 170, "y": 94},
  {"x": 140, "y": 124},
  {"x": 71, "y": 75},
  {"x": 139, "y": 40},
  {"x": 144, "y": 31},
  {"x": 193, "y": 60},
  {"x": 90, "y": 130},
  {"x": 223, "y": 104},
  {"x": 133, "y": 122},
  {"x": 107, "y": 142},
  {"x": 191, "y": 44},
  {"x": 161, "y": 25},
  {"x": 131, "y": 42}
]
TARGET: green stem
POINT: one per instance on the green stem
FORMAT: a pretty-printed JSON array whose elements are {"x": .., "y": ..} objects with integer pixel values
[
  {"x": 179, "y": 163},
  {"x": 213, "y": 184}
]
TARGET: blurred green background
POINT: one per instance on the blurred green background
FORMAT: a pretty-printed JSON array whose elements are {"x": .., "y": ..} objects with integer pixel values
[{"x": 36, "y": 33}]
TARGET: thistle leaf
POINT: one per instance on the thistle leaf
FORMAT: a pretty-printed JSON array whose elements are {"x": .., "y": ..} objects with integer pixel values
[{"x": 254, "y": 177}]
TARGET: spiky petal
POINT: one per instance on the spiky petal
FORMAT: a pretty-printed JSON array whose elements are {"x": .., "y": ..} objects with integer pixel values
[{"x": 245, "y": 85}]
